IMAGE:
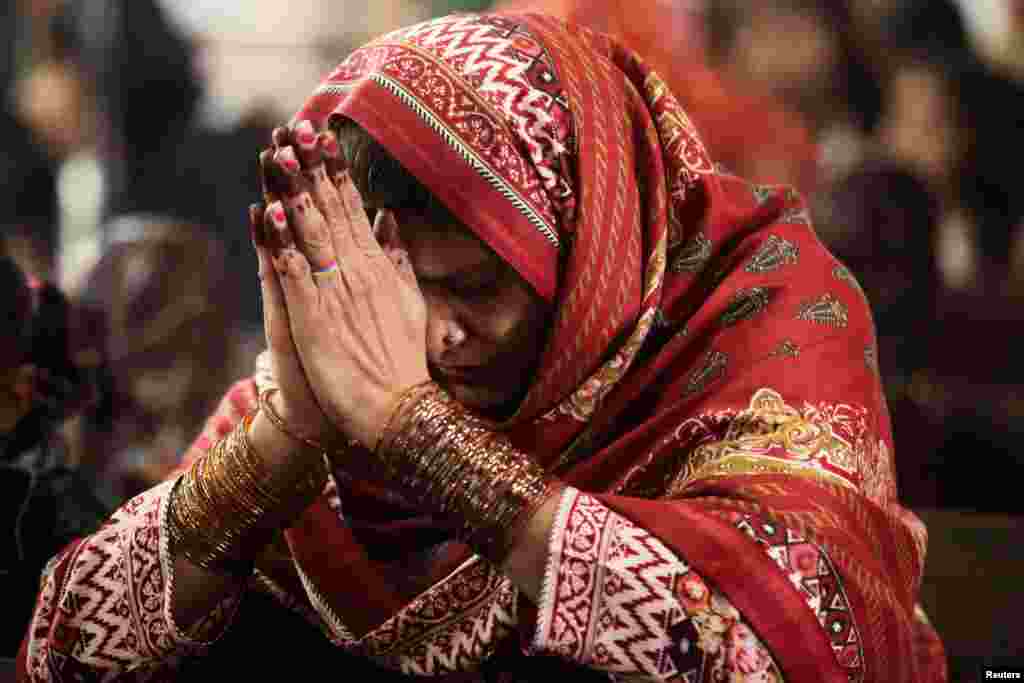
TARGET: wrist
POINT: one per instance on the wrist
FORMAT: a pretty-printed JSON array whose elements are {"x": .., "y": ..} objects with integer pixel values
[
  {"x": 225, "y": 507},
  {"x": 317, "y": 435},
  {"x": 275, "y": 447},
  {"x": 454, "y": 463}
]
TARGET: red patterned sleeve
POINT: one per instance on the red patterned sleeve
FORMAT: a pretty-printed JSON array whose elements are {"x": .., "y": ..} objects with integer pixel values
[
  {"x": 104, "y": 610},
  {"x": 616, "y": 598}
]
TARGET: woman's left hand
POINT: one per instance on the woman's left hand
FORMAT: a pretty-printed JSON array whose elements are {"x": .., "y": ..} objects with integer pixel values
[{"x": 357, "y": 317}]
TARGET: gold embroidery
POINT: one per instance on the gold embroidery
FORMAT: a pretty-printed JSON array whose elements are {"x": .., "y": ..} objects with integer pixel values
[
  {"x": 825, "y": 310},
  {"x": 774, "y": 253},
  {"x": 693, "y": 255},
  {"x": 843, "y": 274},
  {"x": 786, "y": 349},
  {"x": 746, "y": 304},
  {"x": 712, "y": 368},
  {"x": 772, "y": 437}
]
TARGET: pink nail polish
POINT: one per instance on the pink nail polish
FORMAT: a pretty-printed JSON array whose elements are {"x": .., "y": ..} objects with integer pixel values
[
  {"x": 305, "y": 133},
  {"x": 286, "y": 157},
  {"x": 277, "y": 215}
]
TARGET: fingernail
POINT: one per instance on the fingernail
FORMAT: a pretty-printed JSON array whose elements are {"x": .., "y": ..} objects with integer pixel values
[
  {"x": 287, "y": 159},
  {"x": 330, "y": 145},
  {"x": 305, "y": 134},
  {"x": 277, "y": 215}
]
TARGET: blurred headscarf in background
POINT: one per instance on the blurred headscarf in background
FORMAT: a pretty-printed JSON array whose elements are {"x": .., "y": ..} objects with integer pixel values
[
  {"x": 753, "y": 136},
  {"x": 164, "y": 287}
]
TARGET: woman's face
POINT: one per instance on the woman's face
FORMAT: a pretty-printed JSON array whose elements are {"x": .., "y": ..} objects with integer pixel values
[{"x": 486, "y": 326}]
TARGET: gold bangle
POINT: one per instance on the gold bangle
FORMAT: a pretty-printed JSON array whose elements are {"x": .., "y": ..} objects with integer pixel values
[
  {"x": 267, "y": 408},
  {"x": 454, "y": 463},
  {"x": 397, "y": 406},
  {"x": 227, "y": 506}
]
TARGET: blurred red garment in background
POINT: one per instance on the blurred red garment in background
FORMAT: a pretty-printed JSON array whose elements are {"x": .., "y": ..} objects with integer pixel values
[{"x": 752, "y": 136}]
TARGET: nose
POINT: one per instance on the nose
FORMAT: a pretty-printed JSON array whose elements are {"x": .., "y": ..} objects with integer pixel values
[{"x": 445, "y": 333}]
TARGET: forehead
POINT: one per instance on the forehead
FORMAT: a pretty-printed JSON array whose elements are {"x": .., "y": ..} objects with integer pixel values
[{"x": 438, "y": 249}]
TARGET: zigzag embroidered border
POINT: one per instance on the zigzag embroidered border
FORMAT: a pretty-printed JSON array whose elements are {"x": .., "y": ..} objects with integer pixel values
[{"x": 475, "y": 162}]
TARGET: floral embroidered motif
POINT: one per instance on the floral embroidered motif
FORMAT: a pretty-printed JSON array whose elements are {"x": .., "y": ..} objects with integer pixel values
[
  {"x": 745, "y": 304},
  {"x": 516, "y": 98},
  {"x": 679, "y": 138},
  {"x": 582, "y": 404},
  {"x": 795, "y": 216},
  {"x": 712, "y": 368},
  {"x": 773, "y": 254},
  {"x": 762, "y": 193},
  {"x": 454, "y": 626},
  {"x": 843, "y": 274},
  {"x": 693, "y": 255},
  {"x": 618, "y": 599},
  {"x": 809, "y": 569},
  {"x": 825, "y": 310},
  {"x": 787, "y": 348},
  {"x": 871, "y": 357},
  {"x": 771, "y": 436},
  {"x": 104, "y": 604}
]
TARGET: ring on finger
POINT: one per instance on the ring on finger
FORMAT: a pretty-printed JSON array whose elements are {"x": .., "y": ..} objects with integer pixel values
[{"x": 327, "y": 271}]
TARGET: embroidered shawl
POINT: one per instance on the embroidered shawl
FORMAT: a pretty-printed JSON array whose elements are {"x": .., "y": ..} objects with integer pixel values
[{"x": 709, "y": 358}]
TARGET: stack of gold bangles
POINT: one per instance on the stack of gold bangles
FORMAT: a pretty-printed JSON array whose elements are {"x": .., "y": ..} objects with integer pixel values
[
  {"x": 227, "y": 506},
  {"x": 452, "y": 461}
]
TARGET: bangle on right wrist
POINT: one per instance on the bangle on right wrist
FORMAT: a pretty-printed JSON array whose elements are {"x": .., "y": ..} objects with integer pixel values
[
  {"x": 226, "y": 507},
  {"x": 267, "y": 408}
]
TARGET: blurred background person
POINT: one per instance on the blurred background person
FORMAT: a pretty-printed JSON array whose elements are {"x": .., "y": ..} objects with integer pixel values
[
  {"x": 807, "y": 56},
  {"x": 51, "y": 365},
  {"x": 957, "y": 119},
  {"x": 169, "y": 296},
  {"x": 755, "y": 134}
]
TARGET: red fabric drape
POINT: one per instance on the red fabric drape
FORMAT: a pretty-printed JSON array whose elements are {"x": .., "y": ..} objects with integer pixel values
[{"x": 688, "y": 300}]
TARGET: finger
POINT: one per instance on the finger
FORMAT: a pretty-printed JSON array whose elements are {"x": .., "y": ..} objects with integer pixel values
[
  {"x": 257, "y": 233},
  {"x": 386, "y": 229},
  {"x": 299, "y": 293},
  {"x": 357, "y": 225},
  {"x": 334, "y": 161},
  {"x": 275, "y": 313},
  {"x": 279, "y": 235},
  {"x": 268, "y": 195},
  {"x": 310, "y": 232},
  {"x": 281, "y": 136},
  {"x": 288, "y": 163},
  {"x": 321, "y": 186},
  {"x": 305, "y": 140},
  {"x": 276, "y": 182}
]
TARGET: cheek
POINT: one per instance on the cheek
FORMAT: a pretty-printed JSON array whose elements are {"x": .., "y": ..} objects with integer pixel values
[{"x": 512, "y": 319}]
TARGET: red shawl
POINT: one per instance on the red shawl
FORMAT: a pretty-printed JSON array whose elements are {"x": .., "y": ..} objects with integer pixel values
[{"x": 709, "y": 356}]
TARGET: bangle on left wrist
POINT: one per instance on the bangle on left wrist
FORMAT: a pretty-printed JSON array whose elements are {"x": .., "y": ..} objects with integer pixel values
[{"x": 455, "y": 463}]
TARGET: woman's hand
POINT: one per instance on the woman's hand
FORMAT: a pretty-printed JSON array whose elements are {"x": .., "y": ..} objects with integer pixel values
[
  {"x": 357, "y": 317},
  {"x": 294, "y": 401}
]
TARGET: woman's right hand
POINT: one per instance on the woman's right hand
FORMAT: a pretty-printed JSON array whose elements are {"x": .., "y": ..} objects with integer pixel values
[{"x": 294, "y": 401}]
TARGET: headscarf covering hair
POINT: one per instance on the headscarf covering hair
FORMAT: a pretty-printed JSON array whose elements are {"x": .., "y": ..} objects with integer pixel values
[{"x": 710, "y": 362}]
